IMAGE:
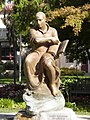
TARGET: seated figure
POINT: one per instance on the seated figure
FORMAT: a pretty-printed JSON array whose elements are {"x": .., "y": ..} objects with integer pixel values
[{"x": 40, "y": 64}]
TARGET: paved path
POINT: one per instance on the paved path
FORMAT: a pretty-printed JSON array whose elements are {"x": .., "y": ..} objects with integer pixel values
[
  {"x": 7, "y": 116},
  {"x": 83, "y": 117},
  {"x": 10, "y": 116}
]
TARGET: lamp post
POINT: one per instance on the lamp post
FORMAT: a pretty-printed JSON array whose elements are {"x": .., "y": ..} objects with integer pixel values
[
  {"x": 8, "y": 9},
  {"x": 14, "y": 48},
  {"x": 20, "y": 59}
]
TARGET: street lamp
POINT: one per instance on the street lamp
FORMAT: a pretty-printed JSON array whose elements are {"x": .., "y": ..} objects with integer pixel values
[
  {"x": 20, "y": 59},
  {"x": 8, "y": 9}
]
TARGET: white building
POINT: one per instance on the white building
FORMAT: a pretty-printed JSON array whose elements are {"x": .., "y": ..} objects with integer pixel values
[{"x": 66, "y": 63}]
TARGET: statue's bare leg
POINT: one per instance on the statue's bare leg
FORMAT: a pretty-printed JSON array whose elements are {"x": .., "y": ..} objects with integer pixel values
[
  {"x": 50, "y": 73},
  {"x": 29, "y": 70}
]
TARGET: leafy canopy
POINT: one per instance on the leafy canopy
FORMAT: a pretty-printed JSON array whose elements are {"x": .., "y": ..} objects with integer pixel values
[{"x": 70, "y": 18}]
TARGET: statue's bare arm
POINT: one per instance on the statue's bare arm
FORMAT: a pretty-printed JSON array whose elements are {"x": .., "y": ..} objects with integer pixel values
[{"x": 42, "y": 39}]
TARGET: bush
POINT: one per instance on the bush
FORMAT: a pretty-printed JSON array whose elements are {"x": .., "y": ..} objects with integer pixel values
[
  {"x": 71, "y": 105},
  {"x": 9, "y": 65},
  {"x": 12, "y": 91},
  {"x": 71, "y": 72},
  {"x": 6, "y": 69},
  {"x": 72, "y": 83},
  {"x": 9, "y": 103},
  {"x": 11, "y": 96},
  {"x": 1, "y": 68}
]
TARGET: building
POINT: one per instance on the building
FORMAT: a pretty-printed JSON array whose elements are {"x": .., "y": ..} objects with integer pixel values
[
  {"x": 73, "y": 64},
  {"x": 6, "y": 48}
]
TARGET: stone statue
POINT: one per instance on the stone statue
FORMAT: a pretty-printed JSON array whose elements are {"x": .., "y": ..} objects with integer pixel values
[{"x": 40, "y": 64}]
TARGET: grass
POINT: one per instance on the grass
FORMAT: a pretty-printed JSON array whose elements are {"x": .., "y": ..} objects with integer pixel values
[
  {"x": 10, "y": 105},
  {"x": 9, "y": 110},
  {"x": 83, "y": 110},
  {"x": 82, "y": 113},
  {"x": 11, "y": 80},
  {"x": 80, "y": 109},
  {"x": 13, "y": 110},
  {"x": 6, "y": 81}
]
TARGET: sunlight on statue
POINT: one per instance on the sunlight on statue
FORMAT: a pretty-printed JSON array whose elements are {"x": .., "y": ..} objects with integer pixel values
[{"x": 40, "y": 65}]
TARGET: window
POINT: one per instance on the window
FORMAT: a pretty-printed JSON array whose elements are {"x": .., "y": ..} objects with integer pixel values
[{"x": 7, "y": 53}]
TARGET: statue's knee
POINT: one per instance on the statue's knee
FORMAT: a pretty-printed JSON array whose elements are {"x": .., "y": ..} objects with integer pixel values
[
  {"x": 27, "y": 60},
  {"x": 47, "y": 60},
  {"x": 47, "y": 63}
]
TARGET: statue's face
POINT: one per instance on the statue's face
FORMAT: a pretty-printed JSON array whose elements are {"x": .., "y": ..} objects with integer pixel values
[{"x": 41, "y": 22}]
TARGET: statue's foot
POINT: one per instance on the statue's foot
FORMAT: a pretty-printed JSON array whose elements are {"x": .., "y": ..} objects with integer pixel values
[{"x": 54, "y": 90}]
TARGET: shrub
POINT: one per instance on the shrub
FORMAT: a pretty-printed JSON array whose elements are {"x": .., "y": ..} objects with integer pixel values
[
  {"x": 71, "y": 105},
  {"x": 11, "y": 96},
  {"x": 12, "y": 91},
  {"x": 6, "y": 103},
  {"x": 1, "y": 68},
  {"x": 71, "y": 83},
  {"x": 9, "y": 65},
  {"x": 9, "y": 103},
  {"x": 71, "y": 72}
]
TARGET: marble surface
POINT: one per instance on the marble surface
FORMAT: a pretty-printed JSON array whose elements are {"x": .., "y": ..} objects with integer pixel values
[
  {"x": 42, "y": 100},
  {"x": 64, "y": 114}
]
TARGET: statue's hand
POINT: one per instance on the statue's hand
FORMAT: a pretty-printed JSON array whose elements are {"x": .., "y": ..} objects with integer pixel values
[{"x": 54, "y": 40}]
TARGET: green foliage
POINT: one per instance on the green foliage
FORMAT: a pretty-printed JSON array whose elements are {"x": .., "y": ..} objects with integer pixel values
[
  {"x": 73, "y": 23},
  {"x": 6, "y": 103},
  {"x": 71, "y": 72},
  {"x": 71, "y": 105},
  {"x": 1, "y": 4},
  {"x": 9, "y": 103},
  {"x": 67, "y": 80},
  {"x": 82, "y": 109},
  {"x": 6, "y": 69},
  {"x": 71, "y": 16},
  {"x": 1, "y": 68},
  {"x": 12, "y": 91},
  {"x": 72, "y": 82},
  {"x": 23, "y": 15},
  {"x": 4, "y": 80}
]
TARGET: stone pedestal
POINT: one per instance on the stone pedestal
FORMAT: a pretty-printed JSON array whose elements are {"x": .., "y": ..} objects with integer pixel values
[
  {"x": 64, "y": 114},
  {"x": 41, "y": 100},
  {"x": 42, "y": 105}
]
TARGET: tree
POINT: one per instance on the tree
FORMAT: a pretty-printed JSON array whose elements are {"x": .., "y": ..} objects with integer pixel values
[
  {"x": 74, "y": 25},
  {"x": 1, "y": 4},
  {"x": 70, "y": 18}
]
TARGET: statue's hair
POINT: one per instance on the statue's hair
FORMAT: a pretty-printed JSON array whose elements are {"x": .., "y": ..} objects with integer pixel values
[{"x": 41, "y": 13}]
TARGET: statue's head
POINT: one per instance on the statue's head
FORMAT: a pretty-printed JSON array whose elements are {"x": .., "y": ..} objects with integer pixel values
[{"x": 40, "y": 19}]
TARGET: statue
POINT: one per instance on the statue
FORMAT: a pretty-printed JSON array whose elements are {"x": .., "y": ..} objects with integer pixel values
[
  {"x": 41, "y": 62},
  {"x": 41, "y": 70},
  {"x": 43, "y": 98}
]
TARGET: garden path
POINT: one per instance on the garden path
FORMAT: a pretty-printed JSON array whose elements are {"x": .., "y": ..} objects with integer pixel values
[{"x": 10, "y": 116}]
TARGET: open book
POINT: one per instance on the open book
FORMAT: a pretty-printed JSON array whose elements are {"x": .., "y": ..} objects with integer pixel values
[
  {"x": 58, "y": 49},
  {"x": 62, "y": 46}
]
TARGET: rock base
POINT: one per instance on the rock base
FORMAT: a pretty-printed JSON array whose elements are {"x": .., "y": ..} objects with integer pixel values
[
  {"x": 64, "y": 114},
  {"x": 42, "y": 100}
]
